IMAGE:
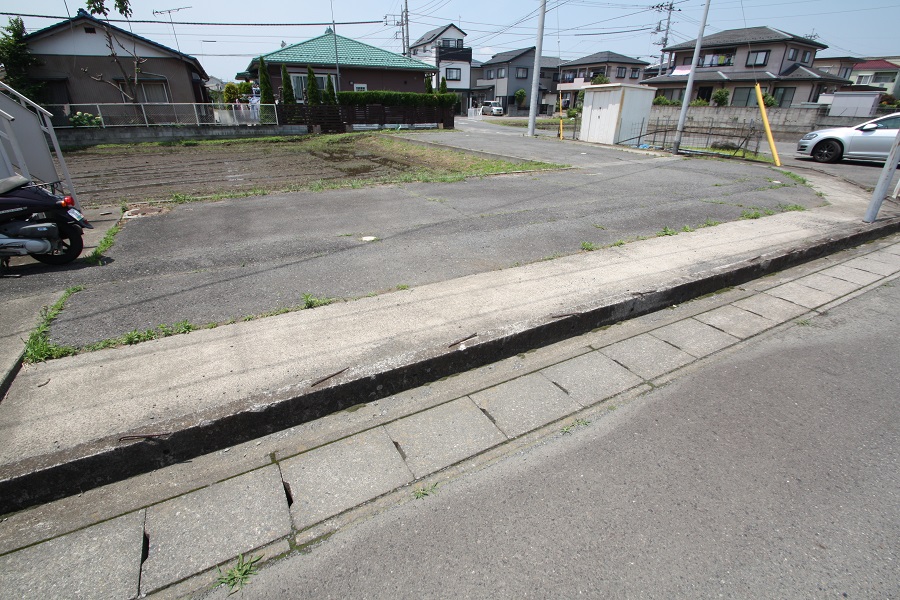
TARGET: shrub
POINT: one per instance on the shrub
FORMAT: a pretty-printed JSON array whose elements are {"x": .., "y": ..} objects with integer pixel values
[
  {"x": 231, "y": 92},
  {"x": 888, "y": 100},
  {"x": 85, "y": 119},
  {"x": 395, "y": 99},
  {"x": 287, "y": 88},
  {"x": 663, "y": 101},
  {"x": 571, "y": 113},
  {"x": 769, "y": 100},
  {"x": 720, "y": 97},
  {"x": 520, "y": 97},
  {"x": 313, "y": 95},
  {"x": 599, "y": 79},
  {"x": 429, "y": 88},
  {"x": 443, "y": 87},
  {"x": 266, "y": 96},
  {"x": 329, "y": 97},
  {"x": 699, "y": 102}
]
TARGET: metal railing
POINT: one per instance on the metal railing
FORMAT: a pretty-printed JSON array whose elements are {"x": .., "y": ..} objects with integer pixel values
[
  {"x": 144, "y": 115},
  {"x": 701, "y": 136}
]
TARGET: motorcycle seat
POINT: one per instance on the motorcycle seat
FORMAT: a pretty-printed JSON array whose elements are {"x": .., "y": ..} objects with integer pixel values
[{"x": 8, "y": 184}]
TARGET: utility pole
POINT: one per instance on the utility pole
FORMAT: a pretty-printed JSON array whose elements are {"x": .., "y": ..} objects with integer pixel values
[
  {"x": 690, "y": 82},
  {"x": 536, "y": 72},
  {"x": 169, "y": 12},
  {"x": 405, "y": 27},
  {"x": 665, "y": 39}
]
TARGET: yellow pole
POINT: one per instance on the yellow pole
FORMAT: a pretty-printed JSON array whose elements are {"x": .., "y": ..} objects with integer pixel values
[
  {"x": 560, "y": 117},
  {"x": 765, "y": 118}
]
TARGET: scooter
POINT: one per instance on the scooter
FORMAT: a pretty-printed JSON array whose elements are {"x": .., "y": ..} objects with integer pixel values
[{"x": 37, "y": 223}]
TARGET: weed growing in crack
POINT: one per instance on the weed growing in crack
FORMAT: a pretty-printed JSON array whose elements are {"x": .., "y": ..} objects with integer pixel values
[
  {"x": 588, "y": 246},
  {"x": 424, "y": 492},
  {"x": 239, "y": 575}
]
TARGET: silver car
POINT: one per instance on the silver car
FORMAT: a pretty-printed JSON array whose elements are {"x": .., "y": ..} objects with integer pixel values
[
  {"x": 871, "y": 140},
  {"x": 492, "y": 107}
]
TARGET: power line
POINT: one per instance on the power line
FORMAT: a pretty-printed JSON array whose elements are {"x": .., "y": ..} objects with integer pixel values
[{"x": 329, "y": 23}]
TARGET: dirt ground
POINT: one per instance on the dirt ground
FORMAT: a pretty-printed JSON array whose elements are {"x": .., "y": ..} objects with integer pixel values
[{"x": 108, "y": 175}]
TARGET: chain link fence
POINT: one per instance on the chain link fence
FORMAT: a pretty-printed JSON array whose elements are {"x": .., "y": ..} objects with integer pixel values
[
  {"x": 143, "y": 115},
  {"x": 707, "y": 136}
]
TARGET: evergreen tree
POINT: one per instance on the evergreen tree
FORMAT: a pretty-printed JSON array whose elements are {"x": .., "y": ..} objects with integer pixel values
[
  {"x": 231, "y": 92},
  {"x": 287, "y": 88},
  {"x": 17, "y": 59},
  {"x": 313, "y": 95},
  {"x": 330, "y": 97},
  {"x": 266, "y": 95},
  {"x": 443, "y": 87},
  {"x": 429, "y": 89}
]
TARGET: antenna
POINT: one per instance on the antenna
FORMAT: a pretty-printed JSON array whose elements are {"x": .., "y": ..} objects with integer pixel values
[{"x": 169, "y": 12}]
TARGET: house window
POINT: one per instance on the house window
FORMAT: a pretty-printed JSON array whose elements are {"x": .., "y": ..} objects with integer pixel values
[
  {"x": 723, "y": 58},
  {"x": 415, "y": 51},
  {"x": 582, "y": 73},
  {"x": 489, "y": 74},
  {"x": 672, "y": 94},
  {"x": 635, "y": 73},
  {"x": 806, "y": 56},
  {"x": 686, "y": 60},
  {"x": 745, "y": 96},
  {"x": 863, "y": 79},
  {"x": 360, "y": 87},
  {"x": 556, "y": 77},
  {"x": 883, "y": 77},
  {"x": 454, "y": 74},
  {"x": 758, "y": 58},
  {"x": 147, "y": 92},
  {"x": 299, "y": 84},
  {"x": 845, "y": 73},
  {"x": 784, "y": 96},
  {"x": 90, "y": 30},
  {"x": 620, "y": 72},
  {"x": 600, "y": 71},
  {"x": 501, "y": 73},
  {"x": 521, "y": 73},
  {"x": 459, "y": 43},
  {"x": 446, "y": 43},
  {"x": 568, "y": 77},
  {"x": 792, "y": 54}
]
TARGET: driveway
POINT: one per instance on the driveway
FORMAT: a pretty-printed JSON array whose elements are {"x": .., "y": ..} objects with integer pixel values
[{"x": 221, "y": 261}]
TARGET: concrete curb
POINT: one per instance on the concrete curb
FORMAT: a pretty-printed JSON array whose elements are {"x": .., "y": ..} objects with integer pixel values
[{"x": 45, "y": 478}]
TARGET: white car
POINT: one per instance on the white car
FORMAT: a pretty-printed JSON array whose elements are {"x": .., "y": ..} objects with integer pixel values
[
  {"x": 871, "y": 140},
  {"x": 493, "y": 108}
]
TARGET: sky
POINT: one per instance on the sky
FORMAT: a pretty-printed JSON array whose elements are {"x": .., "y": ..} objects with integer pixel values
[{"x": 572, "y": 28}]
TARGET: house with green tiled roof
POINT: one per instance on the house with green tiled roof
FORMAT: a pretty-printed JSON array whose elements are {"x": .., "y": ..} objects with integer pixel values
[{"x": 352, "y": 65}]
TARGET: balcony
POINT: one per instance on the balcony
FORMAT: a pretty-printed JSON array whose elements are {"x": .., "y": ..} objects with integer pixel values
[
  {"x": 456, "y": 54},
  {"x": 572, "y": 83}
]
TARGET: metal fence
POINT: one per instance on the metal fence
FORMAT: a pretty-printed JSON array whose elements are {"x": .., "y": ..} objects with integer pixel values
[
  {"x": 702, "y": 136},
  {"x": 143, "y": 115}
]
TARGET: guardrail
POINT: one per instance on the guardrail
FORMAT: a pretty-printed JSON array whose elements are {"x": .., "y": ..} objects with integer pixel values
[{"x": 144, "y": 115}]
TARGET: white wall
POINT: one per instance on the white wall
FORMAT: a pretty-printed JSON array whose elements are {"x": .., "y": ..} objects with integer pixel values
[{"x": 75, "y": 41}]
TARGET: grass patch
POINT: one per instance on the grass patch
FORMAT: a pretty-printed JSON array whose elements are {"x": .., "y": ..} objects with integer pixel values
[
  {"x": 424, "y": 492},
  {"x": 751, "y": 214},
  {"x": 38, "y": 347},
  {"x": 666, "y": 231},
  {"x": 687, "y": 229},
  {"x": 791, "y": 208},
  {"x": 239, "y": 575},
  {"x": 96, "y": 257},
  {"x": 402, "y": 286},
  {"x": 799, "y": 179},
  {"x": 588, "y": 246},
  {"x": 709, "y": 222},
  {"x": 575, "y": 424}
]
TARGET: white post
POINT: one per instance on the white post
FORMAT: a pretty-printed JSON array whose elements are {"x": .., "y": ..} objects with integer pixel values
[
  {"x": 690, "y": 82},
  {"x": 196, "y": 115}
]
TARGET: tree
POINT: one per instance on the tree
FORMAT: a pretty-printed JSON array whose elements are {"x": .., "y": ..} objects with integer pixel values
[
  {"x": 600, "y": 80},
  {"x": 17, "y": 59},
  {"x": 231, "y": 92},
  {"x": 429, "y": 89},
  {"x": 287, "y": 88},
  {"x": 520, "y": 95},
  {"x": 245, "y": 88},
  {"x": 313, "y": 95},
  {"x": 98, "y": 7},
  {"x": 720, "y": 97},
  {"x": 330, "y": 97},
  {"x": 266, "y": 95},
  {"x": 443, "y": 86}
]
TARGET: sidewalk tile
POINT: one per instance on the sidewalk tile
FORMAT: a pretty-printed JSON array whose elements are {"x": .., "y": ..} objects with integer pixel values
[
  {"x": 329, "y": 480},
  {"x": 771, "y": 308},
  {"x": 443, "y": 435},
  {"x": 696, "y": 338},
  {"x": 802, "y": 295},
  {"x": 892, "y": 249},
  {"x": 591, "y": 377},
  {"x": 828, "y": 284},
  {"x": 850, "y": 274},
  {"x": 523, "y": 404},
  {"x": 872, "y": 266},
  {"x": 735, "y": 321},
  {"x": 888, "y": 258},
  {"x": 647, "y": 356},
  {"x": 197, "y": 531},
  {"x": 101, "y": 561}
]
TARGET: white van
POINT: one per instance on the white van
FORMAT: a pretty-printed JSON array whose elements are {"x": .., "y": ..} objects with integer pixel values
[{"x": 493, "y": 108}]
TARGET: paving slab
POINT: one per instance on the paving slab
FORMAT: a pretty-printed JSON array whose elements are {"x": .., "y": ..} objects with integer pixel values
[
  {"x": 100, "y": 562},
  {"x": 803, "y": 295},
  {"x": 877, "y": 267},
  {"x": 329, "y": 480},
  {"x": 696, "y": 338},
  {"x": 850, "y": 274},
  {"x": 18, "y": 318},
  {"x": 197, "y": 531},
  {"x": 888, "y": 258},
  {"x": 591, "y": 378},
  {"x": 735, "y": 321},
  {"x": 647, "y": 356},
  {"x": 828, "y": 284},
  {"x": 770, "y": 307},
  {"x": 443, "y": 435},
  {"x": 892, "y": 249},
  {"x": 526, "y": 403}
]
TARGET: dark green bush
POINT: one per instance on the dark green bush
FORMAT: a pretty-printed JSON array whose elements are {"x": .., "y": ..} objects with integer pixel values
[{"x": 395, "y": 99}]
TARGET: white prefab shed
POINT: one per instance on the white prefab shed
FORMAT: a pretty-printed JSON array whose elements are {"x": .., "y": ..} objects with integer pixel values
[{"x": 615, "y": 112}]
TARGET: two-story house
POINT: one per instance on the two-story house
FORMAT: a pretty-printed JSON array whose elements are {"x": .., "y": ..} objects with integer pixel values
[
  {"x": 578, "y": 73},
  {"x": 444, "y": 47},
  {"x": 736, "y": 59},
  {"x": 878, "y": 73},
  {"x": 508, "y": 72}
]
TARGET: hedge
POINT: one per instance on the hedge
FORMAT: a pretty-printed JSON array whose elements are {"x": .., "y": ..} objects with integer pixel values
[{"x": 395, "y": 99}]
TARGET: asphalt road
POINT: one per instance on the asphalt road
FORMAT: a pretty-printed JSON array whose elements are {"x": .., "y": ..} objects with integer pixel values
[
  {"x": 221, "y": 261},
  {"x": 769, "y": 472}
]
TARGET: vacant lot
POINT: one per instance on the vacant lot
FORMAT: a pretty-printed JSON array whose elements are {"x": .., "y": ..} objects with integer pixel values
[{"x": 189, "y": 170}]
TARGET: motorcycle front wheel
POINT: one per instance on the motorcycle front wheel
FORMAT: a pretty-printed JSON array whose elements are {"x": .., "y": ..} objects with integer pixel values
[{"x": 70, "y": 246}]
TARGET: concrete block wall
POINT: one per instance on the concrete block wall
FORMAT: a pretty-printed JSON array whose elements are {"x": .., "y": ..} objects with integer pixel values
[{"x": 92, "y": 136}]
